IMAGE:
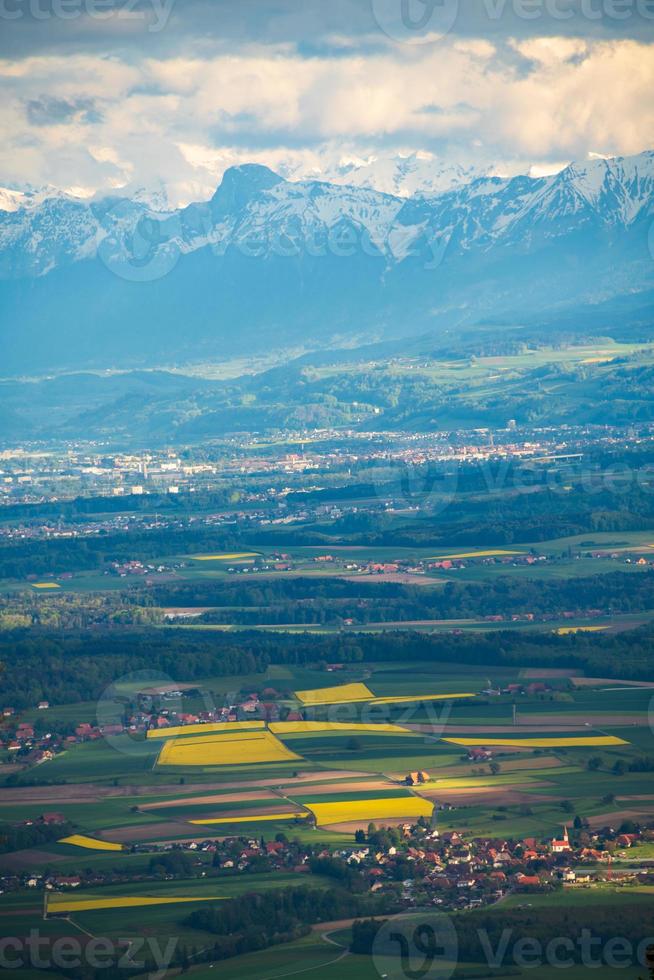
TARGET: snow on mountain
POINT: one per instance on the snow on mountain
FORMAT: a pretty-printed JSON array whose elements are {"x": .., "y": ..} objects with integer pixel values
[
  {"x": 260, "y": 213},
  {"x": 403, "y": 175},
  {"x": 268, "y": 261},
  {"x": 11, "y": 200}
]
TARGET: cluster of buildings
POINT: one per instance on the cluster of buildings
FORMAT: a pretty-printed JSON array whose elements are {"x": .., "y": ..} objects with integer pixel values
[{"x": 413, "y": 866}]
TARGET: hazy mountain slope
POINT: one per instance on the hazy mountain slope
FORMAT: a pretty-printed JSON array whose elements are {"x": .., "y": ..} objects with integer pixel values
[{"x": 269, "y": 263}]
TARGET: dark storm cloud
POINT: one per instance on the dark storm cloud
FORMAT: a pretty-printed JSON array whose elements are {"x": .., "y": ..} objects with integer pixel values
[
  {"x": 49, "y": 111},
  {"x": 158, "y": 27}
]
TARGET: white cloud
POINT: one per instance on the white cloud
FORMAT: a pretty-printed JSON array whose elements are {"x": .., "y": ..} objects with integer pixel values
[
  {"x": 183, "y": 120},
  {"x": 550, "y": 51}
]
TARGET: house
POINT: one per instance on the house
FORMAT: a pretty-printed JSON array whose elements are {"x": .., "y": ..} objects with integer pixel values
[
  {"x": 414, "y": 778},
  {"x": 479, "y": 755},
  {"x": 527, "y": 881},
  {"x": 40, "y": 755},
  {"x": 42, "y": 705},
  {"x": 53, "y": 818}
]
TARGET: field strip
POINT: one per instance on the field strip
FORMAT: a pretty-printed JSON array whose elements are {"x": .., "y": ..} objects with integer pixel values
[
  {"x": 497, "y": 553},
  {"x": 90, "y": 843},
  {"x": 226, "y": 556},
  {"x": 582, "y": 741},
  {"x": 348, "y": 693},
  {"x": 234, "y": 748},
  {"x": 127, "y": 902},
  {"x": 265, "y": 796},
  {"x": 600, "y": 681},
  {"x": 302, "y": 727},
  {"x": 288, "y": 815},
  {"x": 422, "y": 697},
  {"x": 341, "y": 693},
  {"x": 201, "y": 729},
  {"x": 369, "y": 810}
]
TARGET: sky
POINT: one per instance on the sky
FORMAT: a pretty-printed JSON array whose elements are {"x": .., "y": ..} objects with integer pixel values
[{"x": 106, "y": 96}]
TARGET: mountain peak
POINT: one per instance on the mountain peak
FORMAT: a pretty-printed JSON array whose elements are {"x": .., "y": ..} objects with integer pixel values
[{"x": 240, "y": 184}]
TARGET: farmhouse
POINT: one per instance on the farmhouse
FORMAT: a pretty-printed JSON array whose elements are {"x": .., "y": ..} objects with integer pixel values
[{"x": 415, "y": 778}]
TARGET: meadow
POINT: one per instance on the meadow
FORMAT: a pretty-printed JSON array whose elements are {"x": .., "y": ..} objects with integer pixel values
[{"x": 319, "y": 780}]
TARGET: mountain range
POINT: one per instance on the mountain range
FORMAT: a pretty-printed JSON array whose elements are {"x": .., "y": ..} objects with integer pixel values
[{"x": 269, "y": 263}]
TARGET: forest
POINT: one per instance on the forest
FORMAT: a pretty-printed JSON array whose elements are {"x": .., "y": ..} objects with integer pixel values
[{"x": 71, "y": 666}]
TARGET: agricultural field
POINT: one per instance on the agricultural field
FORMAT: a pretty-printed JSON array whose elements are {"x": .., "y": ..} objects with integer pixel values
[
  {"x": 339, "y": 694},
  {"x": 91, "y": 843},
  {"x": 203, "y": 729},
  {"x": 390, "y": 760},
  {"x": 225, "y": 749},
  {"x": 360, "y": 812}
]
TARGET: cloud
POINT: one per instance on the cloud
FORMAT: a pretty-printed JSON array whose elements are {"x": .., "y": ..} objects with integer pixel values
[
  {"x": 47, "y": 111},
  {"x": 113, "y": 120}
]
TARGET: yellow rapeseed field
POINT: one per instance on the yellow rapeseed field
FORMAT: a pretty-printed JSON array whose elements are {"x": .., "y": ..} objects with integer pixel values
[
  {"x": 231, "y": 749},
  {"x": 289, "y": 815},
  {"x": 45, "y": 585},
  {"x": 336, "y": 695},
  {"x": 80, "y": 840},
  {"x": 547, "y": 742},
  {"x": 218, "y": 726},
  {"x": 498, "y": 553},
  {"x": 57, "y": 903},
  {"x": 564, "y": 630},
  {"x": 422, "y": 697},
  {"x": 226, "y": 556},
  {"x": 372, "y": 810},
  {"x": 305, "y": 727}
]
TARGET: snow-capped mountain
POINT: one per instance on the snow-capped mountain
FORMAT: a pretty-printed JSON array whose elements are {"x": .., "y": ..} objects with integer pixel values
[
  {"x": 404, "y": 175},
  {"x": 270, "y": 261}
]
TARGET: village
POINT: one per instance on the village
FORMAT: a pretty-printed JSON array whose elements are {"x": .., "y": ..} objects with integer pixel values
[{"x": 411, "y": 864}]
